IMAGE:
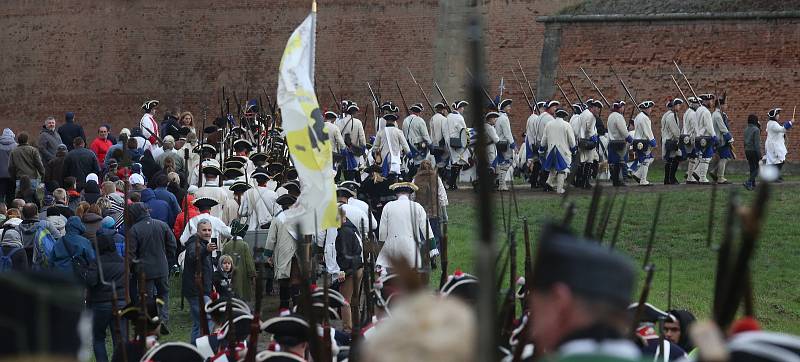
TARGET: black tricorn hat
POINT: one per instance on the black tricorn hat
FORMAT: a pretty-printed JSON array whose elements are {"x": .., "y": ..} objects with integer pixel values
[
  {"x": 270, "y": 356},
  {"x": 274, "y": 169},
  {"x": 390, "y": 117},
  {"x": 650, "y": 313},
  {"x": 561, "y": 113},
  {"x": 258, "y": 157},
  {"x": 210, "y": 129},
  {"x": 217, "y": 306},
  {"x": 184, "y": 131},
  {"x": 174, "y": 351},
  {"x": 239, "y": 187},
  {"x": 205, "y": 203},
  {"x": 133, "y": 312},
  {"x": 242, "y": 144},
  {"x": 260, "y": 172},
  {"x": 461, "y": 285},
  {"x": 232, "y": 173},
  {"x": 212, "y": 170},
  {"x": 233, "y": 163},
  {"x": 286, "y": 200},
  {"x": 417, "y": 107},
  {"x": 241, "y": 327},
  {"x": 291, "y": 185},
  {"x": 290, "y": 173}
]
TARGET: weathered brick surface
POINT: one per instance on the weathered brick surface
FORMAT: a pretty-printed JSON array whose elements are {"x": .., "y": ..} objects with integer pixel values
[
  {"x": 101, "y": 59},
  {"x": 755, "y": 62}
]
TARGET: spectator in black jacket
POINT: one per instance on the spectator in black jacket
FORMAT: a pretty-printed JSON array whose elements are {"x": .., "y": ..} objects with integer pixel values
[
  {"x": 71, "y": 130},
  {"x": 188, "y": 285},
  {"x": 100, "y": 295},
  {"x": 11, "y": 245},
  {"x": 80, "y": 161},
  {"x": 152, "y": 243}
]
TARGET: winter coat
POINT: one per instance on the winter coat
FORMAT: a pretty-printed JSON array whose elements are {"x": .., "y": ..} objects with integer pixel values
[
  {"x": 48, "y": 144},
  {"x": 12, "y": 240},
  {"x": 223, "y": 284},
  {"x": 55, "y": 171},
  {"x": 79, "y": 163},
  {"x": 113, "y": 270},
  {"x": 752, "y": 139},
  {"x": 25, "y": 161},
  {"x": 243, "y": 266},
  {"x": 151, "y": 241},
  {"x": 348, "y": 248},
  {"x": 72, "y": 244},
  {"x": 158, "y": 209},
  {"x": 174, "y": 209},
  {"x": 188, "y": 285},
  {"x": 182, "y": 218},
  {"x": 91, "y": 222},
  {"x": 91, "y": 192},
  {"x": 7, "y": 144},
  {"x": 60, "y": 209},
  {"x": 27, "y": 230},
  {"x": 68, "y": 131}
]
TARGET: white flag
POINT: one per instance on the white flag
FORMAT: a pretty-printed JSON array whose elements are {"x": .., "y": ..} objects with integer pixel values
[{"x": 306, "y": 137}]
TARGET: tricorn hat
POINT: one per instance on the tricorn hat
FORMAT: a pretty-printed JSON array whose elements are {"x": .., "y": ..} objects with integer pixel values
[
  {"x": 403, "y": 187},
  {"x": 148, "y": 105},
  {"x": 239, "y": 187},
  {"x": 205, "y": 203},
  {"x": 416, "y": 108},
  {"x": 561, "y": 113}
]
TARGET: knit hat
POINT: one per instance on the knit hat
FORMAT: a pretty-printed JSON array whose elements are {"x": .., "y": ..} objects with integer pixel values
[{"x": 107, "y": 222}]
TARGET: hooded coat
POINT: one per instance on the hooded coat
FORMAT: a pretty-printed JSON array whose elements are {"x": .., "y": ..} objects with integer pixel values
[
  {"x": 7, "y": 144},
  {"x": 72, "y": 244},
  {"x": 159, "y": 209},
  {"x": 91, "y": 222},
  {"x": 69, "y": 130},
  {"x": 11, "y": 240},
  {"x": 151, "y": 242},
  {"x": 113, "y": 270},
  {"x": 55, "y": 170},
  {"x": 188, "y": 285},
  {"x": 79, "y": 163},
  {"x": 685, "y": 320},
  {"x": 91, "y": 192}
]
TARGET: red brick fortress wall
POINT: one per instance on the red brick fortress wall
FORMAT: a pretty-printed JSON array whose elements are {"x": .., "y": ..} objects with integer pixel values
[{"x": 754, "y": 61}]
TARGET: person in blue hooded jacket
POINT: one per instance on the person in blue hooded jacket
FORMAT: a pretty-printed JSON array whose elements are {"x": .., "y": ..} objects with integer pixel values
[
  {"x": 159, "y": 209},
  {"x": 72, "y": 244}
]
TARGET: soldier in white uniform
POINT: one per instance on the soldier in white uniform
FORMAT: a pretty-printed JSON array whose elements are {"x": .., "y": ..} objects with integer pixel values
[
  {"x": 337, "y": 141},
  {"x": 556, "y": 148},
  {"x": 775, "y": 145},
  {"x": 416, "y": 133},
  {"x": 149, "y": 125},
  {"x": 259, "y": 203},
  {"x": 402, "y": 228},
  {"x": 391, "y": 144},
  {"x": 212, "y": 188},
  {"x": 532, "y": 145},
  {"x": 670, "y": 140},
  {"x": 438, "y": 145},
  {"x": 704, "y": 140},
  {"x": 505, "y": 145},
  {"x": 457, "y": 142},
  {"x": 688, "y": 138},
  {"x": 219, "y": 229},
  {"x": 355, "y": 139},
  {"x": 618, "y": 140},
  {"x": 588, "y": 141},
  {"x": 724, "y": 143},
  {"x": 644, "y": 141},
  {"x": 281, "y": 247},
  {"x": 490, "y": 124},
  {"x": 545, "y": 117}
]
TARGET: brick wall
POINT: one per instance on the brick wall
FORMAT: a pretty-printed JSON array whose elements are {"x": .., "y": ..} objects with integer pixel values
[
  {"x": 755, "y": 62},
  {"x": 102, "y": 59}
]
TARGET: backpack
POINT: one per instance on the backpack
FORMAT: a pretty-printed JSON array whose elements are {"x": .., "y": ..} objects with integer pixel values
[
  {"x": 75, "y": 263},
  {"x": 43, "y": 244},
  {"x": 348, "y": 248},
  {"x": 6, "y": 261}
]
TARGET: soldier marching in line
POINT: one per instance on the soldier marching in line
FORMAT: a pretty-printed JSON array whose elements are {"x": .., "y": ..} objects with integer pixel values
[
  {"x": 505, "y": 145},
  {"x": 618, "y": 143},
  {"x": 705, "y": 139},
  {"x": 439, "y": 138},
  {"x": 457, "y": 140},
  {"x": 688, "y": 139},
  {"x": 545, "y": 118},
  {"x": 643, "y": 142},
  {"x": 355, "y": 139},
  {"x": 724, "y": 144},
  {"x": 416, "y": 133},
  {"x": 556, "y": 148},
  {"x": 670, "y": 140},
  {"x": 532, "y": 136},
  {"x": 588, "y": 142}
]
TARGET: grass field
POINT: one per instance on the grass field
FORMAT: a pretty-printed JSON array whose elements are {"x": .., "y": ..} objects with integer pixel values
[{"x": 681, "y": 234}]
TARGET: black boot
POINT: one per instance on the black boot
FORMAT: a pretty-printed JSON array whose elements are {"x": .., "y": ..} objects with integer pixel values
[
  {"x": 586, "y": 180},
  {"x": 675, "y": 163},
  {"x": 534, "y": 176},
  {"x": 667, "y": 171}
]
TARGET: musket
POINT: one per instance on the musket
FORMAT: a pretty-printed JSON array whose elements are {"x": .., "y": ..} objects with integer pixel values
[
  {"x": 669, "y": 283},
  {"x": 200, "y": 144},
  {"x": 595, "y": 87},
  {"x": 679, "y": 88},
  {"x": 527, "y": 100},
  {"x": 443, "y": 250},
  {"x": 485, "y": 93},
  {"x": 592, "y": 213},
  {"x": 712, "y": 204},
  {"x": 304, "y": 256},
  {"x": 619, "y": 221},
  {"x": 642, "y": 298},
  {"x": 686, "y": 79},
  {"x": 568, "y": 214},
  {"x": 424, "y": 95},
  {"x": 336, "y": 100},
  {"x": 502, "y": 86},
  {"x": 141, "y": 321},
  {"x": 564, "y": 94},
  {"x": 601, "y": 232},
  {"x": 751, "y": 229},
  {"x": 574, "y": 89},
  {"x": 375, "y": 98},
  {"x": 446, "y": 103},
  {"x": 652, "y": 237},
  {"x": 533, "y": 95},
  {"x": 627, "y": 91},
  {"x": 402, "y": 98},
  {"x": 255, "y": 325},
  {"x": 528, "y": 257},
  {"x": 723, "y": 257},
  {"x": 230, "y": 337},
  {"x": 326, "y": 334}
]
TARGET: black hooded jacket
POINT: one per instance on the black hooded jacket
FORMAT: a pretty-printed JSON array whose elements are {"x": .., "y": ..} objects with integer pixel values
[
  {"x": 151, "y": 242},
  {"x": 685, "y": 320}
]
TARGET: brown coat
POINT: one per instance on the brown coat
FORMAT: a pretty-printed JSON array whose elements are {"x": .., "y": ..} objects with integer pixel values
[{"x": 25, "y": 161}]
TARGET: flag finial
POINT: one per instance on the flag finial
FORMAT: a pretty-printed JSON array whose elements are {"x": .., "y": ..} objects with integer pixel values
[{"x": 314, "y": 6}]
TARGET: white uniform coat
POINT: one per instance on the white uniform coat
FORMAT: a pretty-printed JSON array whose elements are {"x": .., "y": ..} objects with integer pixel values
[
  {"x": 775, "y": 145},
  {"x": 399, "y": 221},
  {"x": 219, "y": 229},
  {"x": 670, "y": 130},
  {"x": 544, "y": 119},
  {"x": 531, "y": 131},
  {"x": 617, "y": 127},
  {"x": 455, "y": 125},
  {"x": 503, "y": 130},
  {"x": 587, "y": 127},
  {"x": 437, "y": 128},
  {"x": 492, "y": 139},
  {"x": 283, "y": 243},
  {"x": 415, "y": 130},
  {"x": 690, "y": 123},
  {"x": 259, "y": 206},
  {"x": 705, "y": 125},
  {"x": 391, "y": 140},
  {"x": 335, "y": 135},
  {"x": 352, "y": 128},
  {"x": 558, "y": 134},
  {"x": 642, "y": 127}
]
